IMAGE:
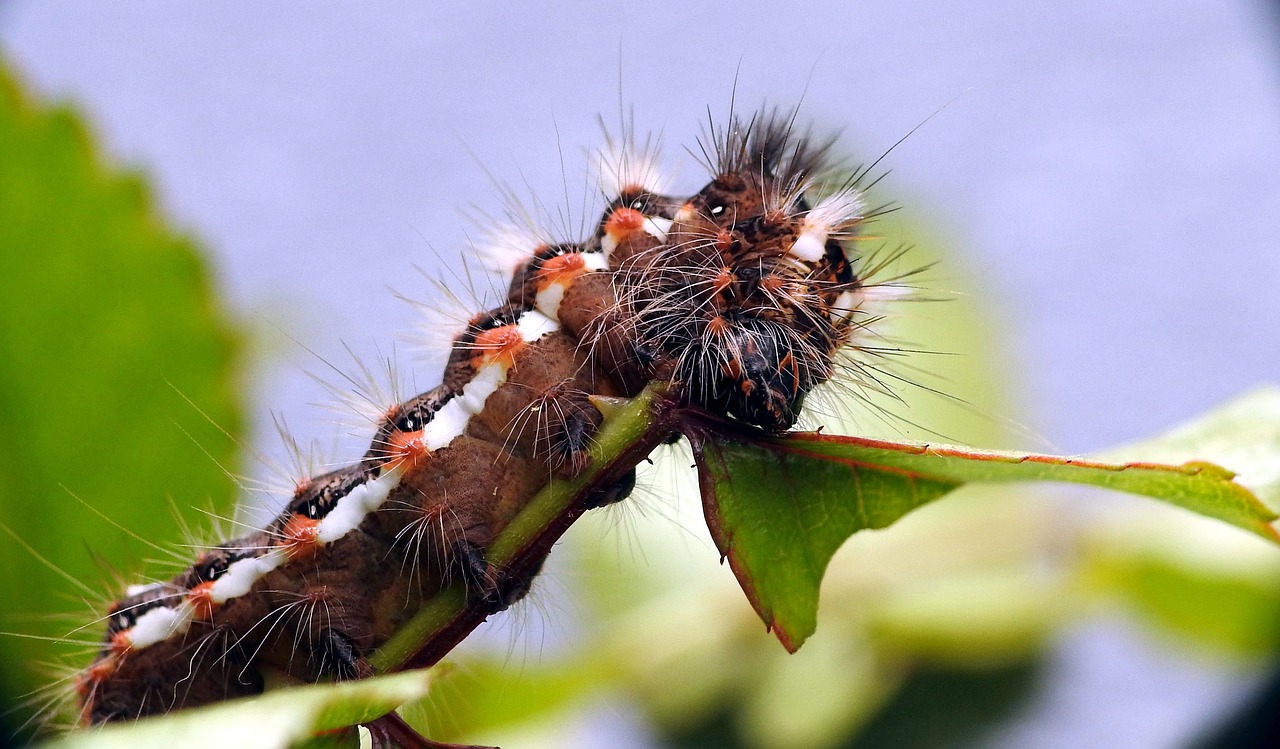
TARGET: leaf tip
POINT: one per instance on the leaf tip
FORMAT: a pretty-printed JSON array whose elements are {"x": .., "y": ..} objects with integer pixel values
[{"x": 790, "y": 640}]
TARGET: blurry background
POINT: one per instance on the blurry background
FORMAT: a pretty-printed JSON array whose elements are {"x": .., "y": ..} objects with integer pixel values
[{"x": 1102, "y": 183}]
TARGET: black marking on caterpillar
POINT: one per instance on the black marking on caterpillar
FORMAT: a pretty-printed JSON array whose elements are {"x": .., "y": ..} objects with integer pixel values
[{"x": 740, "y": 296}]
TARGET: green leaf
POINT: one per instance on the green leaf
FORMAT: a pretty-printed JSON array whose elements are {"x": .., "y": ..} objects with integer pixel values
[
  {"x": 279, "y": 719},
  {"x": 1195, "y": 581},
  {"x": 488, "y": 694},
  {"x": 111, "y": 332},
  {"x": 1243, "y": 434},
  {"x": 779, "y": 507}
]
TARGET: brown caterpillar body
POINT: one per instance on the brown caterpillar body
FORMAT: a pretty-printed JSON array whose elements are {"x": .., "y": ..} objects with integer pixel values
[{"x": 740, "y": 296}]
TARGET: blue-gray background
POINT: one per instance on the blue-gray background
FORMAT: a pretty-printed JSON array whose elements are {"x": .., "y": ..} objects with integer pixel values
[{"x": 1110, "y": 171}]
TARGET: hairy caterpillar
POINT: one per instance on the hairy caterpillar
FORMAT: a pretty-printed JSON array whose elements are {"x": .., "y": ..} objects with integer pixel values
[{"x": 740, "y": 297}]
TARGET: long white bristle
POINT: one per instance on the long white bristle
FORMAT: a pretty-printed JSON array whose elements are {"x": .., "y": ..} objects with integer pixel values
[
  {"x": 622, "y": 165},
  {"x": 836, "y": 212},
  {"x": 441, "y": 321},
  {"x": 505, "y": 246}
]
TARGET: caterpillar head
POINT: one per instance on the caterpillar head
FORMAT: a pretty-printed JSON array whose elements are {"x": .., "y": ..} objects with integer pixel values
[{"x": 746, "y": 298}]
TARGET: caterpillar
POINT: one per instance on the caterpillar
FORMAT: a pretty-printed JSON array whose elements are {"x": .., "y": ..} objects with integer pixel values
[{"x": 740, "y": 298}]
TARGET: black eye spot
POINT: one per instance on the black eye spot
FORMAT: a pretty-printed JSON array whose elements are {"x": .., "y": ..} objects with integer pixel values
[
  {"x": 638, "y": 205},
  {"x": 321, "y": 504},
  {"x": 119, "y": 623},
  {"x": 716, "y": 210},
  {"x": 213, "y": 569},
  {"x": 318, "y": 498}
]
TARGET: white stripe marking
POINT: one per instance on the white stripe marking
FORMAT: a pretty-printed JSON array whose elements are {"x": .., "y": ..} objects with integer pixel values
[
  {"x": 160, "y": 624},
  {"x": 657, "y": 227},
  {"x": 534, "y": 325},
  {"x": 351, "y": 510},
  {"x": 242, "y": 574},
  {"x": 449, "y": 422},
  {"x": 548, "y": 300},
  {"x": 810, "y": 246}
]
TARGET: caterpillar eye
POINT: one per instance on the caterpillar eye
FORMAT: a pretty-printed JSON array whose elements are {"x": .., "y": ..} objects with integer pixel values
[{"x": 716, "y": 210}]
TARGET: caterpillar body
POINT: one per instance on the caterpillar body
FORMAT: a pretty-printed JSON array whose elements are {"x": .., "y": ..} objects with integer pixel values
[{"x": 740, "y": 298}]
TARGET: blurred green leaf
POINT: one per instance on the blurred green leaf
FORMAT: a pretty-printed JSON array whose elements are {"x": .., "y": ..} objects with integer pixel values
[
  {"x": 108, "y": 324},
  {"x": 957, "y": 709},
  {"x": 1201, "y": 583},
  {"x": 984, "y": 618},
  {"x": 491, "y": 693},
  {"x": 276, "y": 720},
  {"x": 845, "y": 683},
  {"x": 1233, "y": 612},
  {"x": 779, "y": 507}
]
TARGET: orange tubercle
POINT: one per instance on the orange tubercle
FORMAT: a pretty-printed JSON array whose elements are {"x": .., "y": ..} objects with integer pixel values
[
  {"x": 120, "y": 643},
  {"x": 773, "y": 283},
  {"x": 723, "y": 280},
  {"x": 298, "y": 537},
  {"x": 498, "y": 345},
  {"x": 202, "y": 602},
  {"x": 405, "y": 449},
  {"x": 100, "y": 671},
  {"x": 775, "y": 218},
  {"x": 622, "y": 222},
  {"x": 561, "y": 269},
  {"x": 718, "y": 326}
]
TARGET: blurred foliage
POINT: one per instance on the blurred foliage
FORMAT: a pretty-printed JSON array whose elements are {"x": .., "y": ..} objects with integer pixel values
[
  {"x": 109, "y": 325},
  {"x": 274, "y": 721},
  {"x": 945, "y": 614}
]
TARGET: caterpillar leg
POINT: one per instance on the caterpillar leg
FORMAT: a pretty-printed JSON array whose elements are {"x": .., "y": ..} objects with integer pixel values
[
  {"x": 511, "y": 587},
  {"x": 341, "y": 657},
  {"x": 496, "y": 589},
  {"x": 566, "y": 425},
  {"x": 615, "y": 492},
  {"x": 468, "y": 562}
]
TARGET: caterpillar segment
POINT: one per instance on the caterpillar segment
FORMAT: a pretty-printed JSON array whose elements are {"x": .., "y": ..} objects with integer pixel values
[
  {"x": 445, "y": 472},
  {"x": 131, "y": 678},
  {"x": 738, "y": 297}
]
